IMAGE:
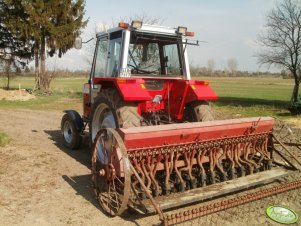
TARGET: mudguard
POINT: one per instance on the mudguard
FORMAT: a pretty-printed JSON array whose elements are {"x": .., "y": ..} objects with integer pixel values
[{"x": 200, "y": 90}]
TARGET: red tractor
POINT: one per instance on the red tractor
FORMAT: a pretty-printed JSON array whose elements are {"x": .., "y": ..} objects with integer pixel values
[
  {"x": 140, "y": 76},
  {"x": 154, "y": 143}
]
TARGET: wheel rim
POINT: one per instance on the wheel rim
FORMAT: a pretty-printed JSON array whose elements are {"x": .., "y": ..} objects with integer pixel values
[
  {"x": 68, "y": 132},
  {"x": 110, "y": 172},
  {"x": 102, "y": 118}
]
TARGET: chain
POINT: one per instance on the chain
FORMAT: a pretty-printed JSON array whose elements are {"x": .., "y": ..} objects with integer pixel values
[{"x": 171, "y": 219}]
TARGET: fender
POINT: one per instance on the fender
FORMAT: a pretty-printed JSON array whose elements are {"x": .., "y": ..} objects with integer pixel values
[
  {"x": 131, "y": 89},
  {"x": 200, "y": 90},
  {"x": 79, "y": 123}
]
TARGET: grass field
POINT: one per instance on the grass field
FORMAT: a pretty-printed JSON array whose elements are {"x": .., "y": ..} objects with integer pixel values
[
  {"x": 253, "y": 96},
  {"x": 241, "y": 96},
  {"x": 66, "y": 94},
  {"x": 57, "y": 85}
]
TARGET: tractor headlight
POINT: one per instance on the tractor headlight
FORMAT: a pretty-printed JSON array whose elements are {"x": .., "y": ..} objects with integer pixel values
[
  {"x": 137, "y": 24},
  {"x": 182, "y": 30}
]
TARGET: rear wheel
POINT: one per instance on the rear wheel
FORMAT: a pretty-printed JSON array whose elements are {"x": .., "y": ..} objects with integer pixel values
[
  {"x": 198, "y": 111},
  {"x": 110, "y": 111},
  {"x": 72, "y": 137}
]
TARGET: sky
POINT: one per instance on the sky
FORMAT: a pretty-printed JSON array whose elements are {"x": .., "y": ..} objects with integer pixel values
[{"x": 228, "y": 29}]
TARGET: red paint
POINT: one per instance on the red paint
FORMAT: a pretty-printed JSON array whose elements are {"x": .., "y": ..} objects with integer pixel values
[
  {"x": 175, "y": 93},
  {"x": 152, "y": 136}
]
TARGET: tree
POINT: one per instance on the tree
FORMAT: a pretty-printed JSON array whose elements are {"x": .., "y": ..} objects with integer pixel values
[
  {"x": 211, "y": 66},
  {"x": 47, "y": 23},
  {"x": 232, "y": 65},
  {"x": 15, "y": 51},
  {"x": 143, "y": 16},
  {"x": 281, "y": 40}
]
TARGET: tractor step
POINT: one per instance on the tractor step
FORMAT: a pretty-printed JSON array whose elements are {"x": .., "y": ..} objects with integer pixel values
[{"x": 212, "y": 191}]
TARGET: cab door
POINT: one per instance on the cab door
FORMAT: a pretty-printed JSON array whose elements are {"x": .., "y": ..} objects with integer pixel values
[{"x": 100, "y": 58}]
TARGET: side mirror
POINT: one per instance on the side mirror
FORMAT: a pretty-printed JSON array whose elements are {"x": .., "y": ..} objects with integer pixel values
[{"x": 78, "y": 43}]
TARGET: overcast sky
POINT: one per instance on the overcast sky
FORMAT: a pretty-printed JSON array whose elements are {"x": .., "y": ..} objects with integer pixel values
[{"x": 229, "y": 28}]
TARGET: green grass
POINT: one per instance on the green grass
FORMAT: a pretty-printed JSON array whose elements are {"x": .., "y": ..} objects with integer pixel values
[
  {"x": 237, "y": 96},
  {"x": 66, "y": 94},
  {"x": 4, "y": 139},
  {"x": 272, "y": 90},
  {"x": 57, "y": 84},
  {"x": 252, "y": 96},
  {"x": 25, "y": 82}
]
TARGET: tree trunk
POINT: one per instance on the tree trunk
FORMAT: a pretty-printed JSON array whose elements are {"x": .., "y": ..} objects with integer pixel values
[
  {"x": 43, "y": 56},
  {"x": 7, "y": 71},
  {"x": 295, "y": 93},
  {"x": 43, "y": 77},
  {"x": 37, "y": 69},
  {"x": 8, "y": 79},
  {"x": 36, "y": 58}
]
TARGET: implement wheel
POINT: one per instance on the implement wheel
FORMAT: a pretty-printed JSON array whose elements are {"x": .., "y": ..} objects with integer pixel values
[{"x": 111, "y": 172}]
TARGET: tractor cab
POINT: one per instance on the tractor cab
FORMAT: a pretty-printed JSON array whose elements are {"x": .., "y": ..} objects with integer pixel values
[{"x": 142, "y": 50}]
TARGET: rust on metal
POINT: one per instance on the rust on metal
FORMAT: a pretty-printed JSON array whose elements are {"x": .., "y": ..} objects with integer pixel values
[
  {"x": 158, "y": 168},
  {"x": 216, "y": 190},
  {"x": 172, "y": 219},
  {"x": 157, "y": 208},
  {"x": 111, "y": 189}
]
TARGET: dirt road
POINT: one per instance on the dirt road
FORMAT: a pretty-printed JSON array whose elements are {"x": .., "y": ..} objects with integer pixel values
[{"x": 43, "y": 183}]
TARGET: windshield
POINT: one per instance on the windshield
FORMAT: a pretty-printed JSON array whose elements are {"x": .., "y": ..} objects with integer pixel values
[{"x": 154, "y": 55}]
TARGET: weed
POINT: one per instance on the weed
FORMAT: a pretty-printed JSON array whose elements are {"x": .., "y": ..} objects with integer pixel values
[{"x": 4, "y": 139}]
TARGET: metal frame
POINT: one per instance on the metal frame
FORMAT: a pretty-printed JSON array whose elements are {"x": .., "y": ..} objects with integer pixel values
[
  {"x": 124, "y": 50},
  {"x": 186, "y": 69}
]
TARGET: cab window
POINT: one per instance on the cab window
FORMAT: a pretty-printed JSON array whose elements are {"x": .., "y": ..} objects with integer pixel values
[
  {"x": 101, "y": 58},
  {"x": 113, "y": 57},
  {"x": 154, "y": 55}
]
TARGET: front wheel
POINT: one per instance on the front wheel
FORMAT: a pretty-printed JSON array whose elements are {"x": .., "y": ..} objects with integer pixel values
[{"x": 72, "y": 137}]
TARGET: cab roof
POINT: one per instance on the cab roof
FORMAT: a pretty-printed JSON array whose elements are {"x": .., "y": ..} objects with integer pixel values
[{"x": 147, "y": 28}]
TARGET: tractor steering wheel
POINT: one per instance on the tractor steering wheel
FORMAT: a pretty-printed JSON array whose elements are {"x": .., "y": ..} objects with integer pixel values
[{"x": 141, "y": 71}]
